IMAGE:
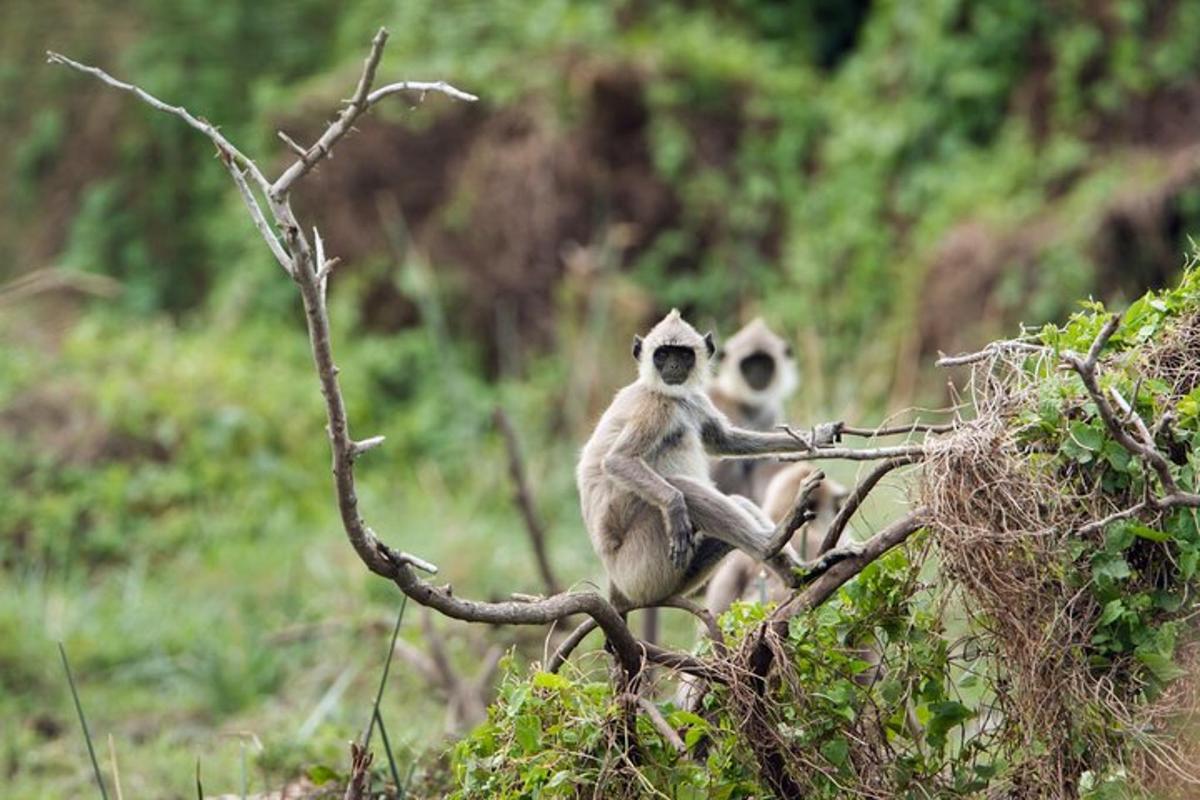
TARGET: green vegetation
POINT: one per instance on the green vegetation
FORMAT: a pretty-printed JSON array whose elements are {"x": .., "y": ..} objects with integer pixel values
[
  {"x": 880, "y": 180},
  {"x": 1001, "y": 655}
]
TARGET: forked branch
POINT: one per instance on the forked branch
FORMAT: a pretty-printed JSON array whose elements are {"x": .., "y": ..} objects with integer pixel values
[{"x": 1140, "y": 443}]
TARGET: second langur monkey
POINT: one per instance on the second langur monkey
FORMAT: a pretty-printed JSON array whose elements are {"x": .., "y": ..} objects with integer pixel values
[
  {"x": 741, "y": 578},
  {"x": 756, "y": 374},
  {"x": 650, "y": 508}
]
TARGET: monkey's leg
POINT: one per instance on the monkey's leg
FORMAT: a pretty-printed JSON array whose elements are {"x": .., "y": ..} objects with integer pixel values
[
  {"x": 719, "y": 516},
  {"x": 785, "y": 562},
  {"x": 708, "y": 553}
]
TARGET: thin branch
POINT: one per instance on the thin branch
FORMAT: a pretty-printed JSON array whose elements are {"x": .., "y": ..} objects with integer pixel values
[
  {"x": 260, "y": 221},
  {"x": 1142, "y": 448},
  {"x": 848, "y": 509},
  {"x": 204, "y": 127},
  {"x": 993, "y": 349},
  {"x": 568, "y": 645},
  {"x": 291, "y": 143},
  {"x": 892, "y": 430},
  {"x": 422, "y": 87},
  {"x": 849, "y": 454},
  {"x": 359, "y": 104},
  {"x": 524, "y": 500},
  {"x": 660, "y": 723},
  {"x": 831, "y": 580},
  {"x": 576, "y": 637}
]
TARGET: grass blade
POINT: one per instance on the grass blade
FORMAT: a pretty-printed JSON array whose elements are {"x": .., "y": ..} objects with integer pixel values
[
  {"x": 387, "y": 747},
  {"x": 387, "y": 665},
  {"x": 199, "y": 785},
  {"x": 116, "y": 773},
  {"x": 62, "y": 651}
]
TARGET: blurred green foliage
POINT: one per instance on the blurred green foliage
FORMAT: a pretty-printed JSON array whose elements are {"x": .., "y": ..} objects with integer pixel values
[{"x": 166, "y": 510}]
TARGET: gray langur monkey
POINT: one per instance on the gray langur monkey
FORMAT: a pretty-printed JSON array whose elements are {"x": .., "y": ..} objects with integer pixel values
[
  {"x": 653, "y": 515},
  {"x": 756, "y": 374},
  {"x": 741, "y": 578}
]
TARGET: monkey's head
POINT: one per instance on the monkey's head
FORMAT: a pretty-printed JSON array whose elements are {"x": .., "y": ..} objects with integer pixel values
[
  {"x": 755, "y": 365},
  {"x": 673, "y": 358}
]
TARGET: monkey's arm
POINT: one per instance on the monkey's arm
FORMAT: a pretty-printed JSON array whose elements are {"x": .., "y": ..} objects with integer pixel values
[
  {"x": 723, "y": 439},
  {"x": 626, "y": 465}
]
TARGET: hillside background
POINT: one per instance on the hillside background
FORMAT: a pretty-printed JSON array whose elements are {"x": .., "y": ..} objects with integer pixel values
[{"x": 880, "y": 180}]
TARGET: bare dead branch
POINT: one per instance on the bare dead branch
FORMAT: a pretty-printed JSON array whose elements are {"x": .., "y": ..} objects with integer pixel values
[
  {"x": 575, "y": 637},
  {"x": 236, "y": 162},
  {"x": 910, "y": 451},
  {"x": 860, "y": 492},
  {"x": 291, "y": 143},
  {"x": 360, "y": 772},
  {"x": 824, "y": 586},
  {"x": 359, "y": 104},
  {"x": 892, "y": 430},
  {"x": 992, "y": 349},
  {"x": 660, "y": 724},
  {"x": 524, "y": 500},
  {"x": 260, "y": 222},
  {"x": 223, "y": 145},
  {"x": 420, "y": 86}
]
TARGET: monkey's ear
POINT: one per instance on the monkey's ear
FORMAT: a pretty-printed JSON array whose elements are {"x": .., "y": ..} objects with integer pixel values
[
  {"x": 710, "y": 344},
  {"x": 637, "y": 347}
]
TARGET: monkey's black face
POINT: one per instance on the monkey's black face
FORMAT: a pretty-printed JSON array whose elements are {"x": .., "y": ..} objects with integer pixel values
[
  {"x": 674, "y": 363},
  {"x": 758, "y": 369}
]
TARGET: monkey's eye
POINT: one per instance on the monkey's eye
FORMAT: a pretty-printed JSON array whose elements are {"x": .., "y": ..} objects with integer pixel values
[{"x": 660, "y": 356}]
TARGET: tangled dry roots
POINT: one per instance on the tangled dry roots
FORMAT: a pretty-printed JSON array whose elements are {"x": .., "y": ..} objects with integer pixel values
[{"x": 1001, "y": 513}]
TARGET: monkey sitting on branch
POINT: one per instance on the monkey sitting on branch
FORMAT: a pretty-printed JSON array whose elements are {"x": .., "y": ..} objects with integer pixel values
[{"x": 651, "y": 510}]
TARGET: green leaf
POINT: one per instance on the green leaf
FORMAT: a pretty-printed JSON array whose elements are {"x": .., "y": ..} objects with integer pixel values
[
  {"x": 836, "y": 750},
  {"x": 1161, "y": 666},
  {"x": 1145, "y": 532},
  {"x": 1118, "y": 537},
  {"x": 528, "y": 732},
  {"x": 681, "y": 717},
  {"x": 1188, "y": 558},
  {"x": 321, "y": 774},
  {"x": 550, "y": 680},
  {"x": 1117, "y": 456},
  {"x": 1113, "y": 610},
  {"x": 1113, "y": 568},
  {"x": 945, "y": 715},
  {"x": 1087, "y": 436},
  {"x": 891, "y": 690}
]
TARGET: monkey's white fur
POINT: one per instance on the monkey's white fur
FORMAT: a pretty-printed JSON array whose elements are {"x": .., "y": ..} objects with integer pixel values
[{"x": 756, "y": 336}]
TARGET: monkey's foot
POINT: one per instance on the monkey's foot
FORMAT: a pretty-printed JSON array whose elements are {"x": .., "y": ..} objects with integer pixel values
[
  {"x": 801, "y": 513},
  {"x": 807, "y": 573}
]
